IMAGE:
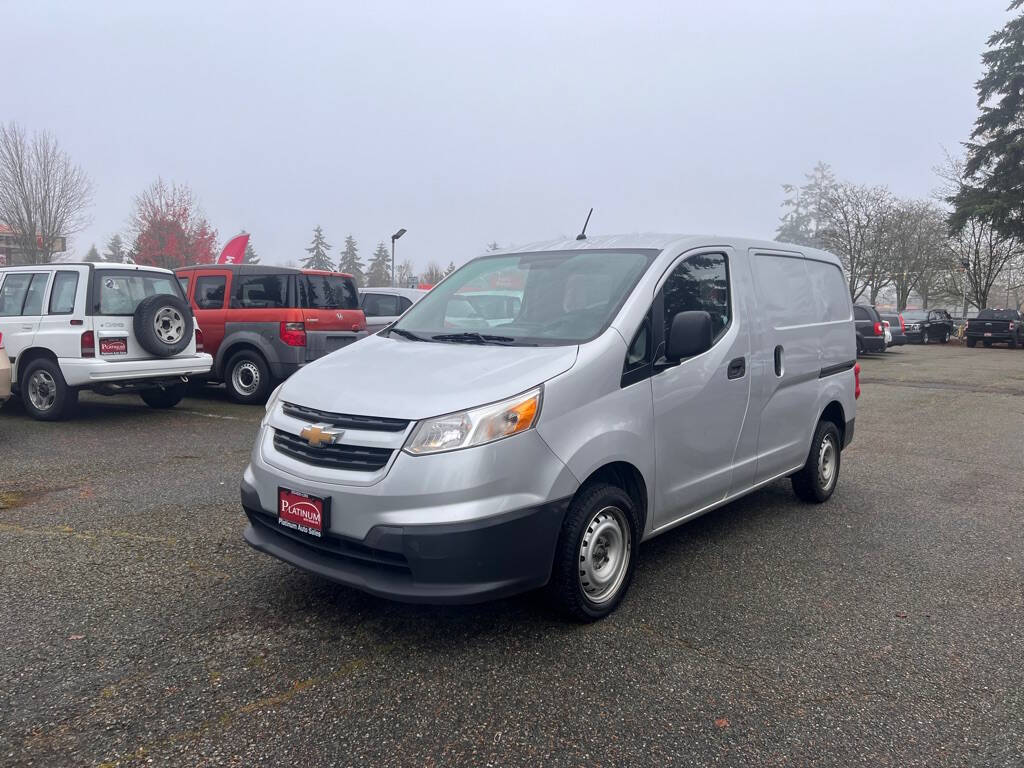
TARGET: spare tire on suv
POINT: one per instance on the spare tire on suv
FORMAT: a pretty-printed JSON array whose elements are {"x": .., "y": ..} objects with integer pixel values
[{"x": 163, "y": 325}]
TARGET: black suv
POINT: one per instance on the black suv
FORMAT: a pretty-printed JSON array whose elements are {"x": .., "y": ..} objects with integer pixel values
[
  {"x": 928, "y": 325},
  {"x": 870, "y": 329}
]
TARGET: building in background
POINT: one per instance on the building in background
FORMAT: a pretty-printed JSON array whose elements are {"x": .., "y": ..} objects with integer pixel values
[{"x": 11, "y": 252}]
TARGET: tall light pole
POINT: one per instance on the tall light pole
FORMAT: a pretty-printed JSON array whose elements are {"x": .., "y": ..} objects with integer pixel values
[{"x": 394, "y": 237}]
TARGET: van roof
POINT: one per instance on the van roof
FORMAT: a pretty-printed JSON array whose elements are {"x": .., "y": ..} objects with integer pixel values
[{"x": 661, "y": 242}]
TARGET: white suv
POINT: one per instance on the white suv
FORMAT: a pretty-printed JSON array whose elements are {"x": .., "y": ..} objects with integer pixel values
[{"x": 112, "y": 328}]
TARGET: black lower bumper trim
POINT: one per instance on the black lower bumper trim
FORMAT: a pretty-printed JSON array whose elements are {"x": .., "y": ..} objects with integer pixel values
[{"x": 444, "y": 563}]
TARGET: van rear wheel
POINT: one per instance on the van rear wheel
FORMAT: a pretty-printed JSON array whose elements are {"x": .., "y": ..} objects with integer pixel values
[
  {"x": 247, "y": 376},
  {"x": 594, "y": 560},
  {"x": 816, "y": 481}
]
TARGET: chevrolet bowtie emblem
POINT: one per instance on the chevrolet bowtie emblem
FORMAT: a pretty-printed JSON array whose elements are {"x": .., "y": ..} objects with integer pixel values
[{"x": 318, "y": 436}]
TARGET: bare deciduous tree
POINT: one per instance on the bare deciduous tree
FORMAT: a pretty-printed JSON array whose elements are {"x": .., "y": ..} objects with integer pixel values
[
  {"x": 44, "y": 196},
  {"x": 980, "y": 255},
  {"x": 852, "y": 222}
]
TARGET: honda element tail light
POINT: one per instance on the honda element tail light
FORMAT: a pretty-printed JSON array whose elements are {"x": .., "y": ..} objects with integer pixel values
[{"x": 293, "y": 334}]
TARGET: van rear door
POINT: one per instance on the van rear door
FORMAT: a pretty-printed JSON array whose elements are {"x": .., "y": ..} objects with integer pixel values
[{"x": 330, "y": 312}]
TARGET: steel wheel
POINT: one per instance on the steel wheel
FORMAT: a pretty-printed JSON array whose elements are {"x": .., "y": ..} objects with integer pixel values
[
  {"x": 245, "y": 378},
  {"x": 42, "y": 390},
  {"x": 604, "y": 554},
  {"x": 169, "y": 325},
  {"x": 827, "y": 463}
]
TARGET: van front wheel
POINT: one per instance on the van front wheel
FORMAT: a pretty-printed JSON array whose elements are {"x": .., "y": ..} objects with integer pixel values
[
  {"x": 816, "y": 481},
  {"x": 594, "y": 560}
]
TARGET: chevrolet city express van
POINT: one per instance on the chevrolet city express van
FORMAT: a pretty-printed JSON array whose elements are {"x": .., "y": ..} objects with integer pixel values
[{"x": 644, "y": 381}]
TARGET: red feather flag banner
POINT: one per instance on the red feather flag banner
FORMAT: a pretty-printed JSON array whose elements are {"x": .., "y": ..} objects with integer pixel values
[{"x": 234, "y": 251}]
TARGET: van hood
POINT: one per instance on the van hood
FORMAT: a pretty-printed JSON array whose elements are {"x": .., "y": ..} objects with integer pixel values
[{"x": 403, "y": 379}]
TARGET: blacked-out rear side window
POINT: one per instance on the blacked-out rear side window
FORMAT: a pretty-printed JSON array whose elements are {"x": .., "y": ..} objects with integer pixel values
[
  {"x": 260, "y": 291},
  {"x": 330, "y": 292}
]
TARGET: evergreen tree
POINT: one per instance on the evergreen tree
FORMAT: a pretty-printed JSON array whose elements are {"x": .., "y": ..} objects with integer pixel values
[
  {"x": 115, "y": 250},
  {"x": 250, "y": 256},
  {"x": 803, "y": 222},
  {"x": 450, "y": 268},
  {"x": 993, "y": 188},
  {"x": 93, "y": 254},
  {"x": 318, "y": 250},
  {"x": 379, "y": 273},
  {"x": 350, "y": 261}
]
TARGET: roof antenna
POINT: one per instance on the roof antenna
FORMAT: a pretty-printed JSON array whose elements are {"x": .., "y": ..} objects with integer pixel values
[{"x": 583, "y": 235}]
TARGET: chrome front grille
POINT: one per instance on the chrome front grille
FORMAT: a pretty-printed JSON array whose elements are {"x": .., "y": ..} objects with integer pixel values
[{"x": 357, "y": 458}]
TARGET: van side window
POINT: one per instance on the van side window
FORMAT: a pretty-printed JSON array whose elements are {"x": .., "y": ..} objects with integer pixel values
[
  {"x": 260, "y": 292},
  {"x": 12, "y": 294},
  {"x": 62, "y": 295},
  {"x": 699, "y": 283},
  {"x": 210, "y": 291}
]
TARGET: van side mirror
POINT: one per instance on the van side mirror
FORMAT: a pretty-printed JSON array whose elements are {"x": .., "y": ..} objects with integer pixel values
[{"x": 690, "y": 334}]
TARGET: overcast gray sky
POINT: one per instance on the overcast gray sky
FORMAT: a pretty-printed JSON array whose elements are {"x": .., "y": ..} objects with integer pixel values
[{"x": 467, "y": 122}]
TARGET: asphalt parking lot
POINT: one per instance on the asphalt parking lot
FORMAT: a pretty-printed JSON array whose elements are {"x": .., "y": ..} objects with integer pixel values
[{"x": 883, "y": 628}]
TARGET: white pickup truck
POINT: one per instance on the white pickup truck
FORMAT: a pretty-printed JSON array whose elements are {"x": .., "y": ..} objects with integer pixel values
[{"x": 111, "y": 328}]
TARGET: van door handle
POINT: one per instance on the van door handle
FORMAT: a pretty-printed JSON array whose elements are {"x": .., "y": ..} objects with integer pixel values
[
  {"x": 737, "y": 368},
  {"x": 26, "y": 327}
]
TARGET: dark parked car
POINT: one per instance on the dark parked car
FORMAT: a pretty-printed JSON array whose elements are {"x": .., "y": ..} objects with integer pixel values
[
  {"x": 896, "y": 329},
  {"x": 996, "y": 326},
  {"x": 870, "y": 330},
  {"x": 928, "y": 325}
]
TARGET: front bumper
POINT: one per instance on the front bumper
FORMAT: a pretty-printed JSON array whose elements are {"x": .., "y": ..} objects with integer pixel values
[
  {"x": 79, "y": 372},
  {"x": 464, "y": 562}
]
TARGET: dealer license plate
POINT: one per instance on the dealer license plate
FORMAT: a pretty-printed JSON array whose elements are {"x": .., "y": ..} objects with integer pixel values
[
  {"x": 115, "y": 346},
  {"x": 302, "y": 512}
]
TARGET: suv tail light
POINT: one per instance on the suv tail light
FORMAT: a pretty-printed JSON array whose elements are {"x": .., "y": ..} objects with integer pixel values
[
  {"x": 879, "y": 330},
  {"x": 293, "y": 334},
  {"x": 903, "y": 326},
  {"x": 856, "y": 381},
  {"x": 88, "y": 344},
  {"x": 199, "y": 340},
  {"x": 1012, "y": 326}
]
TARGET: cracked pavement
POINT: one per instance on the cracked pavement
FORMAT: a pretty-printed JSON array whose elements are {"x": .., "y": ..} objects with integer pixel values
[{"x": 885, "y": 628}]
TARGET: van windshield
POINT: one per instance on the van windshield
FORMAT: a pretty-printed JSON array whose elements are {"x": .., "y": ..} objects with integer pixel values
[{"x": 528, "y": 299}]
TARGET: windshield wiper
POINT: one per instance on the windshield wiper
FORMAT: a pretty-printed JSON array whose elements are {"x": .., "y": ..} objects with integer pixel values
[
  {"x": 406, "y": 334},
  {"x": 472, "y": 337}
]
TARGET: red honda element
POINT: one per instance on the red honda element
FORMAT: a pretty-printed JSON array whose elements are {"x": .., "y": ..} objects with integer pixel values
[{"x": 263, "y": 323}]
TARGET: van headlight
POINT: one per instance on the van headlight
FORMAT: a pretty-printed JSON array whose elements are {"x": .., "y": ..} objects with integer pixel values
[
  {"x": 271, "y": 402},
  {"x": 476, "y": 426}
]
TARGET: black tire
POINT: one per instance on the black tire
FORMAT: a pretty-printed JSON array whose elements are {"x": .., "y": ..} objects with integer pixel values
[
  {"x": 972, "y": 342},
  {"x": 1012, "y": 344},
  {"x": 924, "y": 336},
  {"x": 163, "y": 325},
  {"x": 945, "y": 337},
  {"x": 597, "y": 512},
  {"x": 247, "y": 377},
  {"x": 986, "y": 344},
  {"x": 809, "y": 483},
  {"x": 44, "y": 392},
  {"x": 163, "y": 397}
]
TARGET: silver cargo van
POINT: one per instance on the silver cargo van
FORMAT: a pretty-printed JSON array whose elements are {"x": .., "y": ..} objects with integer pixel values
[{"x": 643, "y": 381}]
